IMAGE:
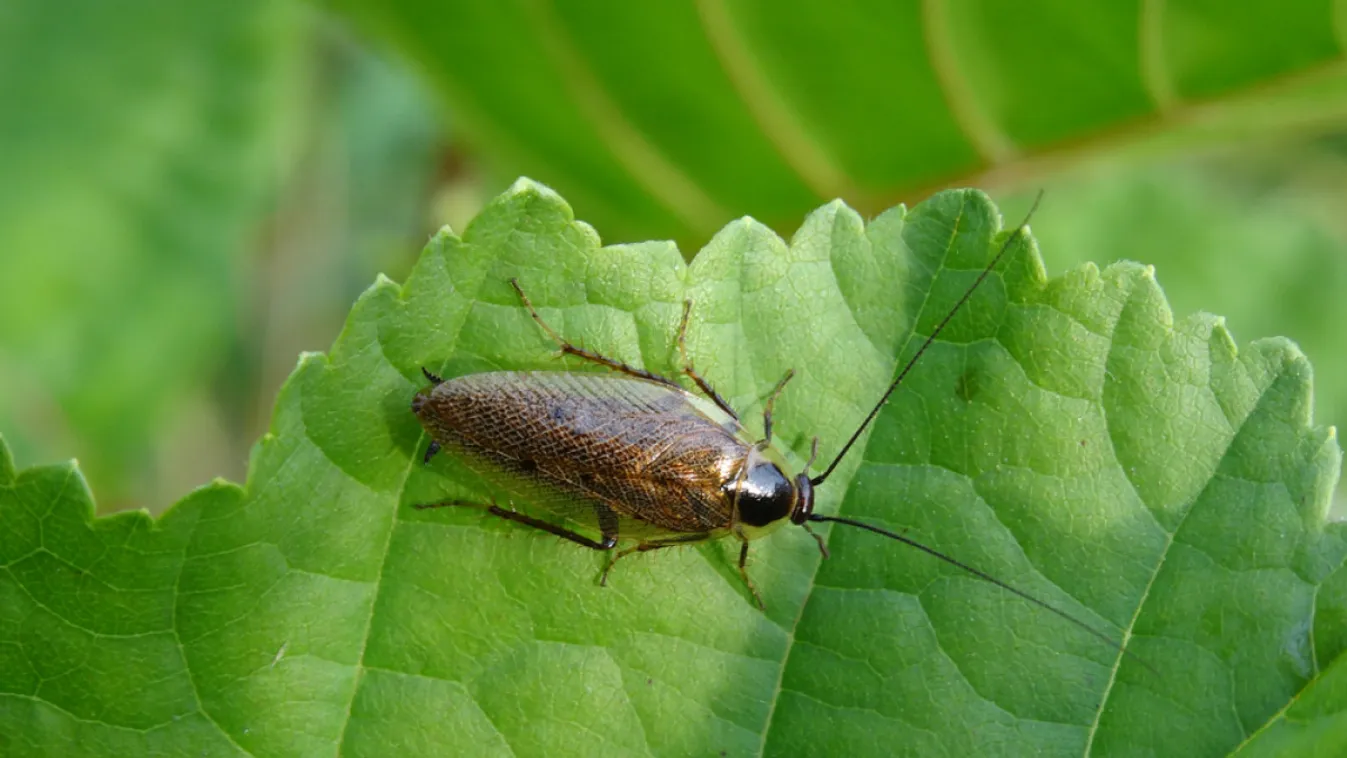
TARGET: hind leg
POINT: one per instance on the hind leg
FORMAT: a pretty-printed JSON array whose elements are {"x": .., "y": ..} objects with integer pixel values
[
  {"x": 567, "y": 348},
  {"x": 702, "y": 384},
  {"x": 609, "y": 539}
]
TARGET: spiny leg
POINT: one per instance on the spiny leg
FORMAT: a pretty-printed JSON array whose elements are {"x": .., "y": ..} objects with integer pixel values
[
  {"x": 771, "y": 402},
  {"x": 743, "y": 571},
  {"x": 645, "y": 547},
  {"x": 702, "y": 384},
  {"x": 822, "y": 548},
  {"x": 813, "y": 454},
  {"x": 509, "y": 515},
  {"x": 567, "y": 348}
]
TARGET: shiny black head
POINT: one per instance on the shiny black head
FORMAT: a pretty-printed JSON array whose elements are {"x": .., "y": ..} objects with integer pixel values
[{"x": 765, "y": 494}]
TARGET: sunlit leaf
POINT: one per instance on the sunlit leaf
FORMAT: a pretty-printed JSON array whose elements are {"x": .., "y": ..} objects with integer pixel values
[{"x": 1067, "y": 435}]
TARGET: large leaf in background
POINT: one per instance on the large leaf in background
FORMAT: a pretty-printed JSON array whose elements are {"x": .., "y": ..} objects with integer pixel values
[
  {"x": 669, "y": 119},
  {"x": 355, "y": 206},
  {"x": 138, "y": 144},
  {"x": 1065, "y": 435}
]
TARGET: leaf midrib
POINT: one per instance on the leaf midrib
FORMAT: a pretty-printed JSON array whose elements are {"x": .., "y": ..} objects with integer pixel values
[
  {"x": 846, "y": 483},
  {"x": 1170, "y": 536},
  {"x": 401, "y": 493}
]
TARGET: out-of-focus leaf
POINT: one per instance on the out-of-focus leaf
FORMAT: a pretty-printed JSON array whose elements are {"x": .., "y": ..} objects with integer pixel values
[
  {"x": 669, "y": 119},
  {"x": 355, "y": 205},
  {"x": 138, "y": 141},
  {"x": 1066, "y": 435}
]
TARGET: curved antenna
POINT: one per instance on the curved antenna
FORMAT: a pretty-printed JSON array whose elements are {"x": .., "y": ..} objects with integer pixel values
[
  {"x": 1099, "y": 633},
  {"x": 1005, "y": 246}
]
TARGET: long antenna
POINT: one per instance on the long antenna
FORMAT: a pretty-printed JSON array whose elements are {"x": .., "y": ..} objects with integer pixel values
[
  {"x": 1099, "y": 633},
  {"x": 1005, "y": 246}
]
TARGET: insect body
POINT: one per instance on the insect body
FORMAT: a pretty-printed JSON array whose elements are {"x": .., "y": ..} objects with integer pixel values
[
  {"x": 640, "y": 458},
  {"x": 631, "y": 452}
]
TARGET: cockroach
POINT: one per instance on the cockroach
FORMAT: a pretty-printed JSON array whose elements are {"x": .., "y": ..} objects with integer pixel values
[{"x": 636, "y": 456}]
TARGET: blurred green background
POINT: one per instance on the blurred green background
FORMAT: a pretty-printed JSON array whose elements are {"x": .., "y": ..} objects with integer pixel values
[{"x": 192, "y": 194}]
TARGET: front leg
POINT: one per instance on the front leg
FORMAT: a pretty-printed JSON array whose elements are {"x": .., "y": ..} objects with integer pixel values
[{"x": 743, "y": 571}]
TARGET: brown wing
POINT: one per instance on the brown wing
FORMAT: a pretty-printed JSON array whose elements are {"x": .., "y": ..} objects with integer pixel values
[{"x": 655, "y": 456}]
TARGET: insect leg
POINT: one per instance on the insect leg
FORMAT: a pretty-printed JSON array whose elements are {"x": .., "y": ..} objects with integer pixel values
[
  {"x": 645, "y": 547},
  {"x": 567, "y": 348},
  {"x": 431, "y": 450},
  {"x": 743, "y": 571},
  {"x": 509, "y": 515},
  {"x": 702, "y": 384},
  {"x": 771, "y": 401},
  {"x": 607, "y": 522},
  {"x": 822, "y": 548}
]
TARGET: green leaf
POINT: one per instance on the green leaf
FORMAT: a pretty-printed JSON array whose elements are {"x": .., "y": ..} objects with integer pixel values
[
  {"x": 138, "y": 147},
  {"x": 1067, "y": 436},
  {"x": 667, "y": 119},
  {"x": 1313, "y": 724},
  {"x": 1260, "y": 258}
]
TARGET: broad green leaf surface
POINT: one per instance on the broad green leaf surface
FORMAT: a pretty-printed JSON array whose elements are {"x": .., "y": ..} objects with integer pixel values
[
  {"x": 1259, "y": 258},
  {"x": 1066, "y": 435},
  {"x": 136, "y": 145},
  {"x": 1314, "y": 724},
  {"x": 667, "y": 119}
]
